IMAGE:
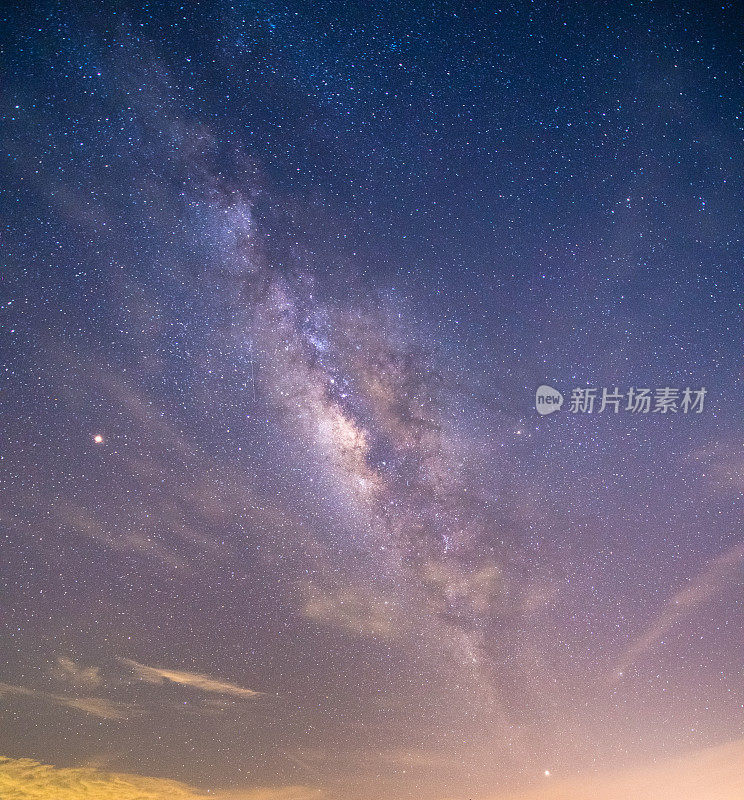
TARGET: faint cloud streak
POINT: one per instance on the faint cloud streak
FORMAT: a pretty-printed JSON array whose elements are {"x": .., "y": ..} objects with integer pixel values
[
  {"x": 681, "y": 605},
  {"x": 194, "y": 680},
  {"x": 97, "y": 706}
]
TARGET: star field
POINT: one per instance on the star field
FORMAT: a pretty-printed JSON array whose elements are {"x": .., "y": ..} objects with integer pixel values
[{"x": 279, "y": 518}]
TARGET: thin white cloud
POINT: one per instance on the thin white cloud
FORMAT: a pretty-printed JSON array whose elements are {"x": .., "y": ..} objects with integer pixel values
[
  {"x": 681, "y": 605},
  {"x": 354, "y": 610},
  {"x": 68, "y": 671},
  {"x": 721, "y": 463},
  {"x": 97, "y": 706},
  {"x": 194, "y": 680}
]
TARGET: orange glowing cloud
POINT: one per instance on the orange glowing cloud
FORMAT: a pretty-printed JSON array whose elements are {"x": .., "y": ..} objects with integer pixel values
[
  {"x": 194, "y": 680},
  {"x": 24, "y": 779}
]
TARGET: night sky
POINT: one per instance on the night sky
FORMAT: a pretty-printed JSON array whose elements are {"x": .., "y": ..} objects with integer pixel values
[{"x": 279, "y": 517}]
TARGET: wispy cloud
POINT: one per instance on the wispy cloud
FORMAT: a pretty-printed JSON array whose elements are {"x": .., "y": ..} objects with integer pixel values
[
  {"x": 78, "y": 519},
  {"x": 195, "y": 680},
  {"x": 354, "y": 610},
  {"x": 681, "y": 605},
  {"x": 480, "y": 591},
  {"x": 723, "y": 463},
  {"x": 97, "y": 706},
  {"x": 197, "y": 496},
  {"x": 68, "y": 671}
]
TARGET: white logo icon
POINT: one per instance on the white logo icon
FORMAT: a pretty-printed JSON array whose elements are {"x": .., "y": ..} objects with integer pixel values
[{"x": 548, "y": 400}]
